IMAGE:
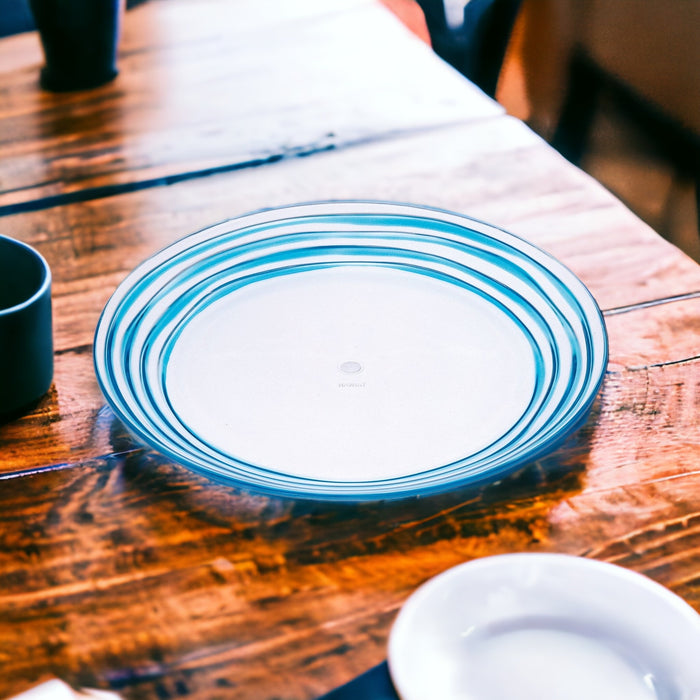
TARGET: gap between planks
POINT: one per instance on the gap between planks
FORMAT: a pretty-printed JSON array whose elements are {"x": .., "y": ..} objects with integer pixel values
[{"x": 104, "y": 191}]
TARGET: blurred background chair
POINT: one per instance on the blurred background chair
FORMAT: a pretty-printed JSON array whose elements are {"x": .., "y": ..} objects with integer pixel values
[
  {"x": 472, "y": 36},
  {"x": 640, "y": 63},
  {"x": 614, "y": 85}
]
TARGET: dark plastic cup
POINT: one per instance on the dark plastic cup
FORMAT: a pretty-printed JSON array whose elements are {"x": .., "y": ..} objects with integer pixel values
[
  {"x": 79, "y": 39},
  {"x": 26, "y": 341}
]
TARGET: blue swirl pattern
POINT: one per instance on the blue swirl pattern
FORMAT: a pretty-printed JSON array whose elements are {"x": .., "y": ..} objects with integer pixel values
[{"x": 143, "y": 320}]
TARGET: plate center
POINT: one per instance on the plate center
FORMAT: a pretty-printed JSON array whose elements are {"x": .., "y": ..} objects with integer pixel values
[
  {"x": 531, "y": 664},
  {"x": 350, "y": 373}
]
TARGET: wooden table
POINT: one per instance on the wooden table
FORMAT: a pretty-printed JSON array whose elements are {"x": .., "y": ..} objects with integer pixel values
[{"x": 121, "y": 570}]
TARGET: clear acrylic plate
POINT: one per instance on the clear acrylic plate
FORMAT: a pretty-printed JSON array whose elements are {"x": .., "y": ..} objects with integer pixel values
[{"x": 352, "y": 351}]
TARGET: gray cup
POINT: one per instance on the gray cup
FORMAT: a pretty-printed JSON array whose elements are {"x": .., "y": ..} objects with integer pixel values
[{"x": 26, "y": 344}]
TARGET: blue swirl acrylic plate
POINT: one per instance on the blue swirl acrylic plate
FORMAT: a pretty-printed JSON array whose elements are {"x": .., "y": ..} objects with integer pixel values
[{"x": 351, "y": 351}]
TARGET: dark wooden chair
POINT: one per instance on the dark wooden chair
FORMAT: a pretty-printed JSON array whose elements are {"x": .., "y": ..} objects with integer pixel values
[{"x": 588, "y": 84}]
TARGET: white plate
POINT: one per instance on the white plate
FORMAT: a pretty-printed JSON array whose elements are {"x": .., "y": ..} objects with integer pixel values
[
  {"x": 545, "y": 627},
  {"x": 351, "y": 350}
]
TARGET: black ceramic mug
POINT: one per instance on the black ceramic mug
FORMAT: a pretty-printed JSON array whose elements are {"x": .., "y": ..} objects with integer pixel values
[
  {"x": 26, "y": 343},
  {"x": 79, "y": 39}
]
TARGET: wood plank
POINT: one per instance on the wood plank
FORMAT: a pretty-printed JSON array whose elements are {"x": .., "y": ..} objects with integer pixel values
[
  {"x": 263, "y": 80},
  {"x": 132, "y": 573},
  {"x": 121, "y": 570},
  {"x": 92, "y": 245},
  {"x": 497, "y": 171},
  {"x": 72, "y": 423}
]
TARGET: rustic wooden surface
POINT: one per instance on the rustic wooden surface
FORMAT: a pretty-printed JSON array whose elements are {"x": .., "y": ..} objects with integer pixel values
[
  {"x": 221, "y": 84},
  {"x": 121, "y": 570}
]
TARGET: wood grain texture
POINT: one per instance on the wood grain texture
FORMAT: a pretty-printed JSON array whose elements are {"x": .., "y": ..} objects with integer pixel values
[
  {"x": 121, "y": 570},
  {"x": 132, "y": 573},
  {"x": 223, "y": 84},
  {"x": 494, "y": 170}
]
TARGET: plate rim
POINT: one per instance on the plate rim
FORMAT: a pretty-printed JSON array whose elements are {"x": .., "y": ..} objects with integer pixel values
[{"x": 361, "y": 208}]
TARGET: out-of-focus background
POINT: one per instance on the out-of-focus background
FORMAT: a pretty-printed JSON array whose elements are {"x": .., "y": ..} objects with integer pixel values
[{"x": 615, "y": 84}]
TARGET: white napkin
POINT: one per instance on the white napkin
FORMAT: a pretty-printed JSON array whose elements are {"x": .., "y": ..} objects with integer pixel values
[{"x": 58, "y": 690}]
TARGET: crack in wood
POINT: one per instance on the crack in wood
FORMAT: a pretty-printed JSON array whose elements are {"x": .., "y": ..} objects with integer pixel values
[
  {"x": 650, "y": 303},
  {"x": 301, "y": 151},
  {"x": 32, "y": 471},
  {"x": 653, "y": 365}
]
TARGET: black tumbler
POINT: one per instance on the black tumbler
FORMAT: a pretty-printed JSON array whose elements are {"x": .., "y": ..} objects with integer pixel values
[
  {"x": 79, "y": 39},
  {"x": 26, "y": 343}
]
